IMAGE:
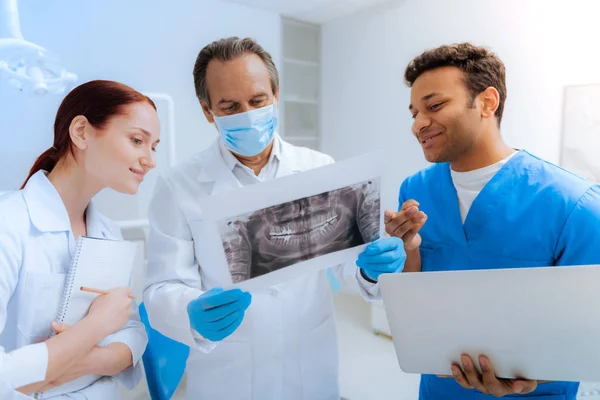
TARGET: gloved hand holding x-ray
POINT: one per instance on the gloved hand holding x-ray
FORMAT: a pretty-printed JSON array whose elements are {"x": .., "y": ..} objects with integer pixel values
[
  {"x": 279, "y": 236},
  {"x": 384, "y": 256},
  {"x": 216, "y": 314}
]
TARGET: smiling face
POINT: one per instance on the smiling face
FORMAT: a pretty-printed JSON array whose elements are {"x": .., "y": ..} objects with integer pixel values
[
  {"x": 447, "y": 120},
  {"x": 122, "y": 152}
]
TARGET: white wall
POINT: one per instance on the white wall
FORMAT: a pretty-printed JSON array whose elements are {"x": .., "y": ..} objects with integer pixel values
[
  {"x": 148, "y": 44},
  {"x": 545, "y": 46}
]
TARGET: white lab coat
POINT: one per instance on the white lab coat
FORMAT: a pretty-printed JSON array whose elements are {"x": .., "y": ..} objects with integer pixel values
[
  {"x": 8, "y": 392},
  {"x": 286, "y": 347},
  {"x": 35, "y": 256}
]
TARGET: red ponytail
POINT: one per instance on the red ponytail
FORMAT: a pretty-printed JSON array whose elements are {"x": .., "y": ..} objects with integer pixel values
[{"x": 46, "y": 161}]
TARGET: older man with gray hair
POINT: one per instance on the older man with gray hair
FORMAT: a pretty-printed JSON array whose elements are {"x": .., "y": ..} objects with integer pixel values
[{"x": 275, "y": 344}]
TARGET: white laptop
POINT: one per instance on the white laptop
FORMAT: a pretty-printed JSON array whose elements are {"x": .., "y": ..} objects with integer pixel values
[{"x": 534, "y": 323}]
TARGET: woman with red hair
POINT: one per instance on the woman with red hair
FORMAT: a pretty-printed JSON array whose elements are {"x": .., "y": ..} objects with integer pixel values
[{"x": 105, "y": 135}]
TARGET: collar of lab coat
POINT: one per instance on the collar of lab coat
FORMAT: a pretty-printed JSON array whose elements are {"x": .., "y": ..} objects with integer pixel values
[
  {"x": 214, "y": 168},
  {"x": 231, "y": 161},
  {"x": 48, "y": 213}
]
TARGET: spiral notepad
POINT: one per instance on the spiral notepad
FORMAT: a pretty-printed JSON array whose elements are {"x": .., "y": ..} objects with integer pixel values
[
  {"x": 100, "y": 264},
  {"x": 97, "y": 263}
]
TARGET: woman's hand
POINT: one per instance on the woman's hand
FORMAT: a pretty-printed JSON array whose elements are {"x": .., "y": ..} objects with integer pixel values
[{"x": 110, "y": 312}]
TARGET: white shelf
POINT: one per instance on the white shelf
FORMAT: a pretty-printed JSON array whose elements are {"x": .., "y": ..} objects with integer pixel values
[
  {"x": 310, "y": 142},
  {"x": 300, "y": 80},
  {"x": 299, "y": 100},
  {"x": 300, "y": 42},
  {"x": 303, "y": 63},
  {"x": 301, "y": 138},
  {"x": 304, "y": 133},
  {"x": 301, "y": 24}
]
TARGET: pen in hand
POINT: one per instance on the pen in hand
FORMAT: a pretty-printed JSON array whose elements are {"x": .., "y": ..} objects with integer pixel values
[{"x": 92, "y": 290}]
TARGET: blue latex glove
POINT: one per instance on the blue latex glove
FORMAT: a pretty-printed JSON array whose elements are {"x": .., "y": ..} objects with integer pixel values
[
  {"x": 384, "y": 256},
  {"x": 216, "y": 314}
]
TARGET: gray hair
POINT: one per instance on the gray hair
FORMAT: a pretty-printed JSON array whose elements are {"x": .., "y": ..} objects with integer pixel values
[{"x": 225, "y": 50}]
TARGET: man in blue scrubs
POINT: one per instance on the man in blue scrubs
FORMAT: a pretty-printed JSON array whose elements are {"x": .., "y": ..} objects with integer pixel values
[{"x": 483, "y": 204}]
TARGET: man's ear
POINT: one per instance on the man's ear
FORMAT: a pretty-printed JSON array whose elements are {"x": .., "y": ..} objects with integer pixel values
[
  {"x": 490, "y": 100},
  {"x": 206, "y": 110},
  {"x": 78, "y": 131}
]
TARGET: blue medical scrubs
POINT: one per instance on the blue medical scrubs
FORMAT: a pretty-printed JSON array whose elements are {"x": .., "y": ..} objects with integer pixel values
[{"x": 531, "y": 213}]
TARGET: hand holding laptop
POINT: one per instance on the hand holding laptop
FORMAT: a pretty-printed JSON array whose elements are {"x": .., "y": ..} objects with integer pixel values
[
  {"x": 514, "y": 318},
  {"x": 487, "y": 383}
]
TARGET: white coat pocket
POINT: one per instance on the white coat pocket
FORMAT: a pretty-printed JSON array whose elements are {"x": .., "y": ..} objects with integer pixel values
[{"x": 39, "y": 304}]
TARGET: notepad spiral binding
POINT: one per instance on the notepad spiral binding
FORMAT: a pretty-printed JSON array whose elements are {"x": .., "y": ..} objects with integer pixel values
[{"x": 68, "y": 291}]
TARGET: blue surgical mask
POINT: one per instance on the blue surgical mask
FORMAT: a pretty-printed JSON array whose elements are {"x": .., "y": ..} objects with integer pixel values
[{"x": 249, "y": 133}]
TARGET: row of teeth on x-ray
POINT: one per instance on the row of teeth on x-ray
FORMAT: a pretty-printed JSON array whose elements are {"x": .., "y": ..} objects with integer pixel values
[{"x": 315, "y": 228}]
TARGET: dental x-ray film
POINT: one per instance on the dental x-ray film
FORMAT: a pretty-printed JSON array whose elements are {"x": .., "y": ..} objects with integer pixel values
[
  {"x": 286, "y": 234},
  {"x": 297, "y": 224}
]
